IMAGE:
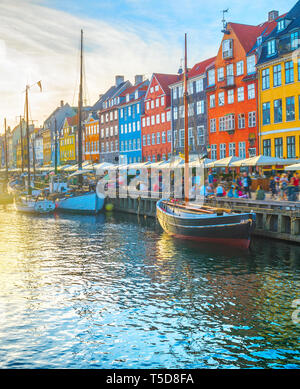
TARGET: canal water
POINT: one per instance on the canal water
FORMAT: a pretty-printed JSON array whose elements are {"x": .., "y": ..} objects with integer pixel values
[{"x": 114, "y": 291}]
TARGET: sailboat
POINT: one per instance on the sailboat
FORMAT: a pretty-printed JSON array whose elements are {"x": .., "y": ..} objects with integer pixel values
[
  {"x": 26, "y": 201},
  {"x": 190, "y": 221},
  {"x": 80, "y": 201}
]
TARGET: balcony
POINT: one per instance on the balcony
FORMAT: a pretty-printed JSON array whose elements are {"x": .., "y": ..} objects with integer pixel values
[{"x": 227, "y": 83}]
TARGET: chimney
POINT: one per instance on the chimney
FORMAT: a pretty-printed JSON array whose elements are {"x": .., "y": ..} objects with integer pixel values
[
  {"x": 273, "y": 15},
  {"x": 119, "y": 80},
  {"x": 138, "y": 79},
  {"x": 61, "y": 103}
]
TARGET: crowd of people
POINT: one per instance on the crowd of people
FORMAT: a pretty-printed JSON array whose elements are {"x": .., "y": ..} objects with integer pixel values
[{"x": 281, "y": 187}]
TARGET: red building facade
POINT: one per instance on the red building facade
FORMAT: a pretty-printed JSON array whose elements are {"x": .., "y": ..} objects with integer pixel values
[
  {"x": 232, "y": 93},
  {"x": 156, "y": 122}
]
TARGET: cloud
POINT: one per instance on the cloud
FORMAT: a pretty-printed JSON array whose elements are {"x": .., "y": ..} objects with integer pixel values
[{"x": 40, "y": 43}]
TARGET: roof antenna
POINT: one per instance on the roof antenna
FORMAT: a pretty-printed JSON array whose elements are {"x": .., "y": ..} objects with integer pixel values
[{"x": 225, "y": 31}]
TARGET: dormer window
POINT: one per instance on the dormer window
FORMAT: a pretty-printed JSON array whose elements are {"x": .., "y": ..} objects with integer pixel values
[
  {"x": 295, "y": 42},
  {"x": 136, "y": 94},
  {"x": 272, "y": 47},
  {"x": 127, "y": 97},
  {"x": 259, "y": 40},
  {"x": 281, "y": 25}
]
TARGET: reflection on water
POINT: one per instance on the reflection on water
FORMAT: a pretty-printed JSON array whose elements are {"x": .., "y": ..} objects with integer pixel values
[{"x": 113, "y": 291}]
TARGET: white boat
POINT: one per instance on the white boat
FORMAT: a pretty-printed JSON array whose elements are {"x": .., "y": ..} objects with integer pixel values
[{"x": 30, "y": 204}]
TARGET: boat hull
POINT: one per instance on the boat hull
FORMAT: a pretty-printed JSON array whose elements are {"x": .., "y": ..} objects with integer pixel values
[
  {"x": 89, "y": 203},
  {"x": 227, "y": 229},
  {"x": 36, "y": 207}
]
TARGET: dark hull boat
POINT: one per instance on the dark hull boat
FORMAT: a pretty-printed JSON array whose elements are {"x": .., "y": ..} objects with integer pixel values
[{"x": 206, "y": 224}]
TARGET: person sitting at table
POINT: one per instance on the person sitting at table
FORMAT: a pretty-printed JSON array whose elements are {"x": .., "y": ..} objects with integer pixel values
[{"x": 220, "y": 191}]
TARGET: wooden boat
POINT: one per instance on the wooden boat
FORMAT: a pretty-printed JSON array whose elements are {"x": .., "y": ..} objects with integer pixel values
[
  {"x": 202, "y": 223},
  {"x": 80, "y": 201},
  {"x": 206, "y": 224},
  {"x": 36, "y": 205},
  {"x": 85, "y": 202}
]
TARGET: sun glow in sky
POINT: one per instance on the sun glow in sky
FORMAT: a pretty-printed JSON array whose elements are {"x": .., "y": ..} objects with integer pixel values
[{"x": 39, "y": 40}]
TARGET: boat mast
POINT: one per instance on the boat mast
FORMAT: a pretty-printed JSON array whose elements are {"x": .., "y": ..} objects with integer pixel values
[
  {"x": 22, "y": 151},
  {"x": 55, "y": 146},
  {"x": 6, "y": 154},
  {"x": 186, "y": 125},
  {"x": 80, "y": 110},
  {"x": 27, "y": 137}
]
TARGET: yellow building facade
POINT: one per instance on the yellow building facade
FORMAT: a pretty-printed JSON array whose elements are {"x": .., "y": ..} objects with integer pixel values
[
  {"x": 279, "y": 99},
  {"x": 68, "y": 140}
]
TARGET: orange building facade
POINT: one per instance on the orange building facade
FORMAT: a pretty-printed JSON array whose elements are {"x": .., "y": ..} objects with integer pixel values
[
  {"x": 91, "y": 139},
  {"x": 232, "y": 93}
]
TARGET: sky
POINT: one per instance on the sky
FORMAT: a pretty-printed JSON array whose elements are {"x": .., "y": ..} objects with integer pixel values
[{"x": 40, "y": 40}]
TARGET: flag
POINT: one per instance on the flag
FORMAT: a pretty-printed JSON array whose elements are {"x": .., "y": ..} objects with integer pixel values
[{"x": 40, "y": 85}]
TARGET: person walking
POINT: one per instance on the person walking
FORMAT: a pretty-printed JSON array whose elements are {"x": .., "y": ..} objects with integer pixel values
[
  {"x": 283, "y": 183},
  {"x": 273, "y": 188},
  {"x": 247, "y": 184},
  {"x": 295, "y": 183}
]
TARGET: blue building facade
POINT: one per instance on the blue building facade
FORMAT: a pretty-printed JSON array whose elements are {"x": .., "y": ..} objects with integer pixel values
[{"x": 130, "y": 112}]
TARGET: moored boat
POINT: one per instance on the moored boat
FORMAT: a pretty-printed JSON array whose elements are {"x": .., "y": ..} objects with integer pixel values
[
  {"x": 206, "y": 224},
  {"x": 30, "y": 204},
  {"x": 86, "y": 202}
]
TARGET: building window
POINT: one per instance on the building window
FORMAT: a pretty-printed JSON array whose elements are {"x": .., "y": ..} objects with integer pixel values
[
  {"x": 227, "y": 48},
  {"x": 163, "y": 137},
  {"x": 266, "y": 79},
  {"x": 190, "y": 109},
  {"x": 191, "y": 138},
  {"x": 163, "y": 117},
  {"x": 212, "y": 101},
  {"x": 241, "y": 120},
  {"x": 242, "y": 149},
  {"x": 169, "y": 136},
  {"x": 144, "y": 140},
  {"x": 240, "y": 68},
  {"x": 229, "y": 122},
  {"x": 148, "y": 140},
  {"x": 278, "y": 147},
  {"x": 278, "y": 111},
  {"x": 231, "y": 96},
  {"x": 157, "y": 103},
  {"x": 291, "y": 146},
  {"x": 267, "y": 147},
  {"x": 213, "y": 152},
  {"x": 213, "y": 125},
  {"x": 158, "y": 138},
  {"x": 251, "y": 64},
  {"x": 190, "y": 88},
  {"x": 174, "y": 93},
  {"x": 181, "y": 111},
  {"x": 221, "y": 98},
  {"x": 272, "y": 47},
  {"x": 251, "y": 91},
  {"x": 168, "y": 116},
  {"x": 211, "y": 77},
  {"x": 199, "y": 85},
  {"x": 200, "y": 107},
  {"x": 181, "y": 138},
  {"x": 220, "y": 72},
  {"x": 276, "y": 75},
  {"x": 221, "y": 124},
  {"x": 175, "y": 113},
  {"x": 290, "y": 108},
  {"x": 162, "y": 101},
  {"x": 289, "y": 72},
  {"x": 240, "y": 93},
  {"x": 281, "y": 25},
  {"x": 153, "y": 139},
  {"x": 231, "y": 149},
  {"x": 295, "y": 40},
  {"x": 252, "y": 119},
  {"x": 266, "y": 113},
  {"x": 222, "y": 150},
  {"x": 200, "y": 136},
  {"x": 157, "y": 118}
]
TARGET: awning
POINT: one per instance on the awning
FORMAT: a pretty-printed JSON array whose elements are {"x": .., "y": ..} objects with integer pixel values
[
  {"x": 225, "y": 162},
  {"x": 294, "y": 167},
  {"x": 261, "y": 160}
]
